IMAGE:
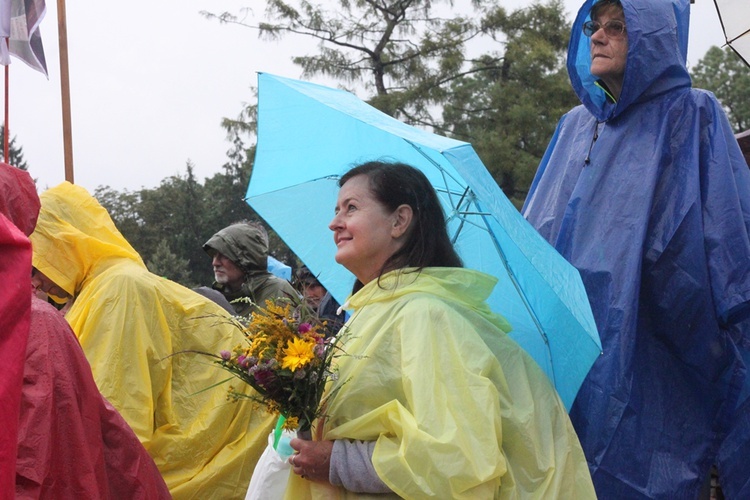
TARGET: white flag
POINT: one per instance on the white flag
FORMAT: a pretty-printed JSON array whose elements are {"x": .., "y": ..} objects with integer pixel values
[
  {"x": 25, "y": 38},
  {"x": 19, "y": 20},
  {"x": 4, "y": 31}
]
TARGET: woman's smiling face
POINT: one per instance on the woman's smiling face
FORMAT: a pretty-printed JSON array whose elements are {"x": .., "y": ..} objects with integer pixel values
[{"x": 363, "y": 230}]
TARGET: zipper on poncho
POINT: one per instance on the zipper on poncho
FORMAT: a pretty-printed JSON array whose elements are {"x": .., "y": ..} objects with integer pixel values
[
  {"x": 610, "y": 98},
  {"x": 593, "y": 140}
]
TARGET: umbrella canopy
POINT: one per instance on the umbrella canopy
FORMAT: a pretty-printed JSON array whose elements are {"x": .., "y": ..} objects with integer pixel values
[
  {"x": 309, "y": 135},
  {"x": 735, "y": 19},
  {"x": 279, "y": 269}
]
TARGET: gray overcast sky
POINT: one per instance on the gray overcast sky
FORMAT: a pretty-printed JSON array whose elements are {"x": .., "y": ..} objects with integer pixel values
[{"x": 151, "y": 80}]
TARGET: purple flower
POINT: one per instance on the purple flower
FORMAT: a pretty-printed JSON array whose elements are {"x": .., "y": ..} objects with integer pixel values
[
  {"x": 243, "y": 361},
  {"x": 264, "y": 378},
  {"x": 304, "y": 327},
  {"x": 226, "y": 355}
]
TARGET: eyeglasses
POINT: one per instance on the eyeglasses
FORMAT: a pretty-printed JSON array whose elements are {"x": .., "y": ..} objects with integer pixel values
[{"x": 613, "y": 29}]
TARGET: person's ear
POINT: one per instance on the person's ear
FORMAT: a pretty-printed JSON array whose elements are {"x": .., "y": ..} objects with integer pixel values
[{"x": 402, "y": 217}]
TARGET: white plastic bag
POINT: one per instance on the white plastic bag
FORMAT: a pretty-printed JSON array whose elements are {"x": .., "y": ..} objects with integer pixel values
[{"x": 272, "y": 471}]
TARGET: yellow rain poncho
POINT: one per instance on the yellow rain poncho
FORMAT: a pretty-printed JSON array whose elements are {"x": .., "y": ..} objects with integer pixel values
[
  {"x": 457, "y": 409},
  {"x": 133, "y": 326}
]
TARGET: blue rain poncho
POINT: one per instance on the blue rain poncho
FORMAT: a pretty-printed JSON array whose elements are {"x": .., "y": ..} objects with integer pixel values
[
  {"x": 649, "y": 198},
  {"x": 457, "y": 409}
]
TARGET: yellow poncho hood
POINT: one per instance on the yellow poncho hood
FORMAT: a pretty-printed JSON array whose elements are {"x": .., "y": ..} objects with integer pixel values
[
  {"x": 457, "y": 408},
  {"x": 135, "y": 328},
  {"x": 75, "y": 237}
]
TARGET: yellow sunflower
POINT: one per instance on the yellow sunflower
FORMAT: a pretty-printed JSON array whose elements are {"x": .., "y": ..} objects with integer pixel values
[{"x": 297, "y": 353}]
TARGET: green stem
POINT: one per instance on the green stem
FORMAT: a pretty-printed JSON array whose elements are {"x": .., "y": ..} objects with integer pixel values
[{"x": 277, "y": 431}]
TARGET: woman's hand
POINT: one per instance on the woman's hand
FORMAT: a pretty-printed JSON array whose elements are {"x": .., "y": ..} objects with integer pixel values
[{"x": 312, "y": 460}]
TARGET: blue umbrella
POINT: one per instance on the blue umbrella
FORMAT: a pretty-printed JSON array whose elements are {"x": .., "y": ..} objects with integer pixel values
[
  {"x": 279, "y": 269},
  {"x": 308, "y": 135}
]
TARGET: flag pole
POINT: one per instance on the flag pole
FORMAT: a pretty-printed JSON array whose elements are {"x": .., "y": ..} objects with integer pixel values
[{"x": 62, "y": 31}]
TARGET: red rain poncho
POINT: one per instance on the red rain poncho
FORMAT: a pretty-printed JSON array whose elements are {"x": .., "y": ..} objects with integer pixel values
[
  {"x": 69, "y": 442},
  {"x": 19, "y": 207},
  {"x": 72, "y": 443},
  {"x": 15, "y": 310}
]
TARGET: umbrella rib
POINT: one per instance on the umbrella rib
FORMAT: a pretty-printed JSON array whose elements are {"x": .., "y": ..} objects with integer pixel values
[
  {"x": 468, "y": 197},
  {"x": 497, "y": 246},
  {"x": 482, "y": 214},
  {"x": 449, "y": 192},
  {"x": 464, "y": 196},
  {"x": 246, "y": 199},
  {"x": 738, "y": 37},
  {"x": 436, "y": 165},
  {"x": 512, "y": 276},
  {"x": 469, "y": 221},
  {"x": 521, "y": 294},
  {"x": 457, "y": 211}
]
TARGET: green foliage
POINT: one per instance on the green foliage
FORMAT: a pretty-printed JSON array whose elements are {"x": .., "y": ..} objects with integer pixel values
[
  {"x": 15, "y": 152},
  {"x": 123, "y": 208},
  {"x": 385, "y": 46},
  {"x": 176, "y": 208},
  {"x": 508, "y": 108},
  {"x": 471, "y": 71},
  {"x": 723, "y": 72},
  {"x": 168, "y": 225},
  {"x": 483, "y": 75},
  {"x": 494, "y": 79},
  {"x": 165, "y": 263}
]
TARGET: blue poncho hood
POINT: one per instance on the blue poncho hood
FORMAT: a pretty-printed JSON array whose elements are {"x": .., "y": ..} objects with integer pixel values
[
  {"x": 649, "y": 198},
  {"x": 657, "y": 50}
]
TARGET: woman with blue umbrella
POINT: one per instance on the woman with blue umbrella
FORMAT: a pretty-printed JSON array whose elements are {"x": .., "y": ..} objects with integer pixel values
[{"x": 433, "y": 397}]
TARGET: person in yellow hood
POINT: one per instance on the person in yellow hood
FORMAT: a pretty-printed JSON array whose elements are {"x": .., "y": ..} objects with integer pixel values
[
  {"x": 433, "y": 398},
  {"x": 136, "y": 330}
]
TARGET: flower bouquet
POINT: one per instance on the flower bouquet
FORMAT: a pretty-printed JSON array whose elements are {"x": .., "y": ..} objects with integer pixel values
[{"x": 287, "y": 360}]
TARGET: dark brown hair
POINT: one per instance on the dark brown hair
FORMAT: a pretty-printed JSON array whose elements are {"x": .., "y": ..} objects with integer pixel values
[{"x": 427, "y": 242}]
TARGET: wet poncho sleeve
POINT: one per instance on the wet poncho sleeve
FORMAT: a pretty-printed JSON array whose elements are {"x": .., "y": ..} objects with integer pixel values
[
  {"x": 15, "y": 317},
  {"x": 72, "y": 442}
]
